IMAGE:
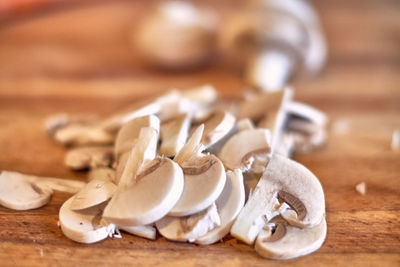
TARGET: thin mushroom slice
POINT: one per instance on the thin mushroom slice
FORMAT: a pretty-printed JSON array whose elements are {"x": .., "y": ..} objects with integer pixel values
[
  {"x": 173, "y": 135},
  {"x": 205, "y": 94},
  {"x": 94, "y": 193},
  {"x": 83, "y": 134},
  {"x": 121, "y": 164},
  {"x": 281, "y": 242},
  {"x": 129, "y": 133},
  {"x": 89, "y": 157},
  {"x": 61, "y": 120},
  {"x": 84, "y": 226},
  {"x": 192, "y": 148},
  {"x": 229, "y": 204},
  {"x": 156, "y": 189},
  {"x": 145, "y": 231},
  {"x": 189, "y": 228},
  {"x": 19, "y": 193},
  {"x": 284, "y": 181},
  {"x": 240, "y": 150},
  {"x": 204, "y": 181},
  {"x": 306, "y": 112},
  {"x": 216, "y": 126}
]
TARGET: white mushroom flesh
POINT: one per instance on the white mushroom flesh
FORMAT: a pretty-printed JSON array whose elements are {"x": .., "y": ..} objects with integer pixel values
[{"x": 94, "y": 193}]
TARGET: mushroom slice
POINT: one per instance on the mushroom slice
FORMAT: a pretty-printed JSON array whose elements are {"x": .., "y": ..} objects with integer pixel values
[
  {"x": 205, "y": 94},
  {"x": 143, "y": 152},
  {"x": 229, "y": 204},
  {"x": 305, "y": 135},
  {"x": 94, "y": 193},
  {"x": 155, "y": 190},
  {"x": 306, "y": 112},
  {"x": 83, "y": 226},
  {"x": 19, "y": 193},
  {"x": 58, "y": 121},
  {"x": 121, "y": 164},
  {"x": 280, "y": 242},
  {"x": 89, "y": 157},
  {"x": 103, "y": 174},
  {"x": 83, "y": 134},
  {"x": 146, "y": 231},
  {"x": 189, "y": 228},
  {"x": 129, "y": 133},
  {"x": 240, "y": 150},
  {"x": 173, "y": 135},
  {"x": 284, "y": 180},
  {"x": 245, "y": 124},
  {"x": 216, "y": 126}
]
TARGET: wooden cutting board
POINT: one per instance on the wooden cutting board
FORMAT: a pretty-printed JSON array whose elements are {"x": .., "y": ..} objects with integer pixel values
[{"x": 78, "y": 59}]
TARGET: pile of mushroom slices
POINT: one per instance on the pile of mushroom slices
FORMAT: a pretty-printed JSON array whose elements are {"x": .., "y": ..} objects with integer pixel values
[{"x": 182, "y": 165}]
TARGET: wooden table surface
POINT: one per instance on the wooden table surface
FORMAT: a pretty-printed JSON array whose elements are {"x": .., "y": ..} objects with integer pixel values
[{"x": 78, "y": 59}]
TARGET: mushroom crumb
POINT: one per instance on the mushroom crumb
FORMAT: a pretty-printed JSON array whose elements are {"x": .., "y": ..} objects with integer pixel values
[{"x": 361, "y": 188}]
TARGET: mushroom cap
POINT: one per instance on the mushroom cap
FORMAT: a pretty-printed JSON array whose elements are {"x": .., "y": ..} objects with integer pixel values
[
  {"x": 204, "y": 181},
  {"x": 94, "y": 193},
  {"x": 83, "y": 226},
  {"x": 229, "y": 204},
  {"x": 240, "y": 149},
  {"x": 129, "y": 133},
  {"x": 294, "y": 243},
  {"x": 18, "y": 192},
  {"x": 156, "y": 190},
  {"x": 290, "y": 182}
]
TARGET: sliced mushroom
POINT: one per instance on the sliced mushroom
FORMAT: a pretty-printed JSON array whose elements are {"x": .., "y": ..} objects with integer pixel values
[
  {"x": 129, "y": 133},
  {"x": 306, "y": 112},
  {"x": 123, "y": 159},
  {"x": 103, "y": 174},
  {"x": 146, "y": 231},
  {"x": 83, "y": 134},
  {"x": 245, "y": 124},
  {"x": 58, "y": 121},
  {"x": 189, "y": 228},
  {"x": 216, "y": 126},
  {"x": 229, "y": 204},
  {"x": 94, "y": 193},
  {"x": 173, "y": 135},
  {"x": 280, "y": 242},
  {"x": 204, "y": 177},
  {"x": 23, "y": 192},
  {"x": 204, "y": 94},
  {"x": 155, "y": 190},
  {"x": 89, "y": 157},
  {"x": 83, "y": 226},
  {"x": 240, "y": 150},
  {"x": 287, "y": 181}
]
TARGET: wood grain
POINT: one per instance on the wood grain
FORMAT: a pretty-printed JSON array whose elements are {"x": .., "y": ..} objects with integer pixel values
[{"x": 78, "y": 59}]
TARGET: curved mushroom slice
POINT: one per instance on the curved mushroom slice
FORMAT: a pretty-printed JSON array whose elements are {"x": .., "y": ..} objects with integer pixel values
[
  {"x": 240, "y": 150},
  {"x": 58, "y": 121},
  {"x": 143, "y": 152},
  {"x": 19, "y": 193},
  {"x": 83, "y": 134},
  {"x": 189, "y": 228},
  {"x": 229, "y": 204},
  {"x": 216, "y": 126},
  {"x": 123, "y": 159},
  {"x": 306, "y": 112},
  {"x": 94, "y": 193},
  {"x": 146, "y": 231},
  {"x": 155, "y": 190},
  {"x": 192, "y": 148},
  {"x": 204, "y": 94},
  {"x": 103, "y": 174},
  {"x": 129, "y": 133},
  {"x": 173, "y": 135},
  {"x": 280, "y": 242},
  {"x": 284, "y": 180},
  {"x": 204, "y": 181},
  {"x": 89, "y": 157},
  {"x": 84, "y": 226}
]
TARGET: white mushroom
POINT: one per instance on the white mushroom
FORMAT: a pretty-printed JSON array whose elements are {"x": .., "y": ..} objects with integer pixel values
[
  {"x": 280, "y": 242},
  {"x": 204, "y": 94},
  {"x": 240, "y": 150},
  {"x": 129, "y": 133},
  {"x": 83, "y": 134},
  {"x": 23, "y": 192},
  {"x": 216, "y": 126},
  {"x": 155, "y": 190},
  {"x": 89, "y": 157},
  {"x": 189, "y": 228},
  {"x": 173, "y": 135},
  {"x": 204, "y": 177},
  {"x": 84, "y": 226},
  {"x": 229, "y": 204},
  {"x": 94, "y": 193},
  {"x": 58, "y": 121},
  {"x": 146, "y": 231},
  {"x": 287, "y": 181},
  {"x": 306, "y": 112}
]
